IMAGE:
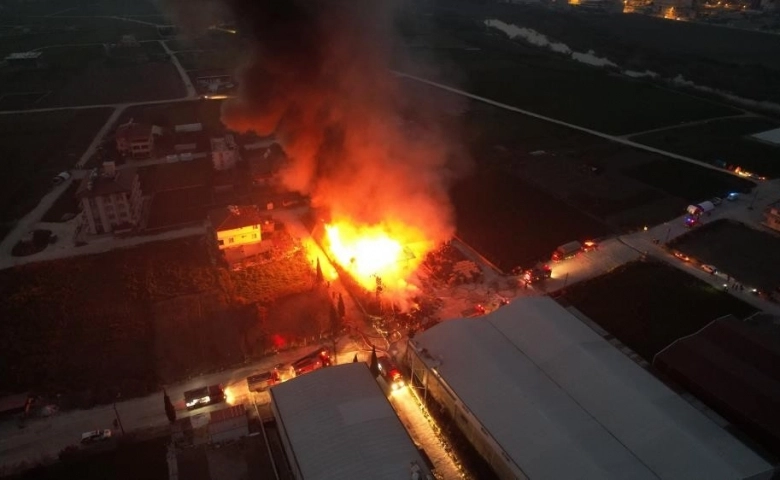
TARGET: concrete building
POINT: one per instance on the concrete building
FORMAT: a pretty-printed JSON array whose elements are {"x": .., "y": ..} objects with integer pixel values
[
  {"x": 236, "y": 226},
  {"x": 772, "y": 216},
  {"x": 224, "y": 153},
  {"x": 336, "y": 423},
  {"x": 542, "y": 396},
  {"x": 228, "y": 424},
  {"x": 135, "y": 140},
  {"x": 110, "y": 201}
]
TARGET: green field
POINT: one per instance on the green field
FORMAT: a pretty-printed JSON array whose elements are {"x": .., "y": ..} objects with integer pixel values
[
  {"x": 92, "y": 75},
  {"x": 34, "y": 147},
  {"x": 151, "y": 314},
  {"x": 648, "y": 305},
  {"x": 722, "y": 142},
  {"x": 740, "y": 61}
]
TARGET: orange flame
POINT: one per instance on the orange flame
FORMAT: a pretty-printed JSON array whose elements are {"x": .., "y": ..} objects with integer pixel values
[{"x": 390, "y": 252}]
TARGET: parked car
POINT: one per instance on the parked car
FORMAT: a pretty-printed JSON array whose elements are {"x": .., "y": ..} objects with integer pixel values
[
  {"x": 716, "y": 200},
  {"x": 95, "y": 436},
  {"x": 201, "y": 397},
  {"x": 732, "y": 196},
  {"x": 709, "y": 268}
]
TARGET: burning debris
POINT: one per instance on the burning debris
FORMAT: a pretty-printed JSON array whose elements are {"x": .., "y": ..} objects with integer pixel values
[{"x": 378, "y": 160}]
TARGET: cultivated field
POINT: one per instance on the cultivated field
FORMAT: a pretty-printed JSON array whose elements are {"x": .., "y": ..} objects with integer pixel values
[
  {"x": 536, "y": 185},
  {"x": 743, "y": 62},
  {"x": 92, "y": 75},
  {"x": 722, "y": 142},
  {"x": 150, "y": 314},
  {"x": 749, "y": 256},
  {"x": 34, "y": 148},
  {"x": 66, "y": 8},
  {"x": 648, "y": 305},
  {"x": 545, "y": 83},
  {"x": 513, "y": 223},
  {"x": 128, "y": 460}
]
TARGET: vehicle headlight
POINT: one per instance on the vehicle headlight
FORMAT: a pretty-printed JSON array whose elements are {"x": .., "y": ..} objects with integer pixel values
[{"x": 206, "y": 399}]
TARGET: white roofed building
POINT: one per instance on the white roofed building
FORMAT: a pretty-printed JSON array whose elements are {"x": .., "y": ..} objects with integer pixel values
[
  {"x": 542, "y": 396},
  {"x": 336, "y": 423}
]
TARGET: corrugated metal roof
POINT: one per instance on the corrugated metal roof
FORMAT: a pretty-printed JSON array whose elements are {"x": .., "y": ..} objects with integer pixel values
[
  {"x": 563, "y": 403},
  {"x": 770, "y": 136},
  {"x": 341, "y": 426}
]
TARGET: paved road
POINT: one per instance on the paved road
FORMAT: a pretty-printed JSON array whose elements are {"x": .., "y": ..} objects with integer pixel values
[
  {"x": 47, "y": 436},
  {"x": 690, "y": 124},
  {"x": 626, "y": 248},
  {"x": 616, "y": 139},
  {"x": 191, "y": 92}
]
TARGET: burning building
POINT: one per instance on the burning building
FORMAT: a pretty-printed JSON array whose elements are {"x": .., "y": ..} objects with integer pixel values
[{"x": 376, "y": 158}]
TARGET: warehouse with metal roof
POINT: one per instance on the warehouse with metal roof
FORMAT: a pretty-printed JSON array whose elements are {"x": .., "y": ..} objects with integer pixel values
[
  {"x": 336, "y": 423},
  {"x": 542, "y": 396}
]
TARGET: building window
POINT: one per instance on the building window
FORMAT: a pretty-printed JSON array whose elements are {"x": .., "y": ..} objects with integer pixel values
[
  {"x": 230, "y": 240},
  {"x": 254, "y": 235},
  {"x": 221, "y": 242}
]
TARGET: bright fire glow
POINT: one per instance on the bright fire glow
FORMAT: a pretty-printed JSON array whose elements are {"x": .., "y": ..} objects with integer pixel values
[
  {"x": 390, "y": 251},
  {"x": 230, "y": 396}
]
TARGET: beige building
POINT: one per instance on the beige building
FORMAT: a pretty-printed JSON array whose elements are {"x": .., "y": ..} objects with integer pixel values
[
  {"x": 135, "y": 140},
  {"x": 772, "y": 216},
  {"x": 236, "y": 226},
  {"x": 224, "y": 152},
  {"x": 111, "y": 200}
]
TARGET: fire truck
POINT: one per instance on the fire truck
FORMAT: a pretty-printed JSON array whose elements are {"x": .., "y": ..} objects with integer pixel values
[{"x": 319, "y": 358}]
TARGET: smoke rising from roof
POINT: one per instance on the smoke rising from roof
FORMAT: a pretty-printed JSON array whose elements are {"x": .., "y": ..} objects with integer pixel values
[{"x": 318, "y": 77}]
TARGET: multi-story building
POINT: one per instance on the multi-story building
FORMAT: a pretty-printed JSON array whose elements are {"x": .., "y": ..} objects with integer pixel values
[
  {"x": 772, "y": 216},
  {"x": 135, "y": 140},
  {"x": 224, "y": 152},
  {"x": 111, "y": 201},
  {"x": 236, "y": 226}
]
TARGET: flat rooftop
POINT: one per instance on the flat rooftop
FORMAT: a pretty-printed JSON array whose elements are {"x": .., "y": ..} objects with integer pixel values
[
  {"x": 340, "y": 425},
  {"x": 562, "y": 402}
]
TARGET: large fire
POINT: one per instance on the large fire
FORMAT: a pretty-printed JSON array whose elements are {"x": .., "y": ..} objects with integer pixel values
[{"x": 385, "y": 255}]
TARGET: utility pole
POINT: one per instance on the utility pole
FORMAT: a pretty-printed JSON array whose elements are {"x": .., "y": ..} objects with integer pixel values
[
  {"x": 668, "y": 232},
  {"x": 755, "y": 194},
  {"x": 118, "y": 418},
  {"x": 566, "y": 280}
]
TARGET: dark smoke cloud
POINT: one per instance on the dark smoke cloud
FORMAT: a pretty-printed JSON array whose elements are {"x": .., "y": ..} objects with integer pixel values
[{"x": 318, "y": 77}]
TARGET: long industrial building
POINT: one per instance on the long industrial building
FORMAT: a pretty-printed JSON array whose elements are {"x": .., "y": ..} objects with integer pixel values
[
  {"x": 542, "y": 396},
  {"x": 336, "y": 423}
]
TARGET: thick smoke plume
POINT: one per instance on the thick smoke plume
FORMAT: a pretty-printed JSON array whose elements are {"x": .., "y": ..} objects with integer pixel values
[{"x": 318, "y": 78}]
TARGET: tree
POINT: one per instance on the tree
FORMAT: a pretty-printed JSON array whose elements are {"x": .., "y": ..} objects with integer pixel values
[
  {"x": 342, "y": 310},
  {"x": 374, "y": 367},
  {"x": 319, "y": 272},
  {"x": 335, "y": 322},
  {"x": 355, "y": 360},
  {"x": 170, "y": 412}
]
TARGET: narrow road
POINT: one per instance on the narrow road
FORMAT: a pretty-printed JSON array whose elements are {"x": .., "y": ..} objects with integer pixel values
[
  {"x": 93, "y": 146},
  {"x": 616, "y": 139},
  {"x": 690, "y": 124},
  {"x": 191, "y": 92}
]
